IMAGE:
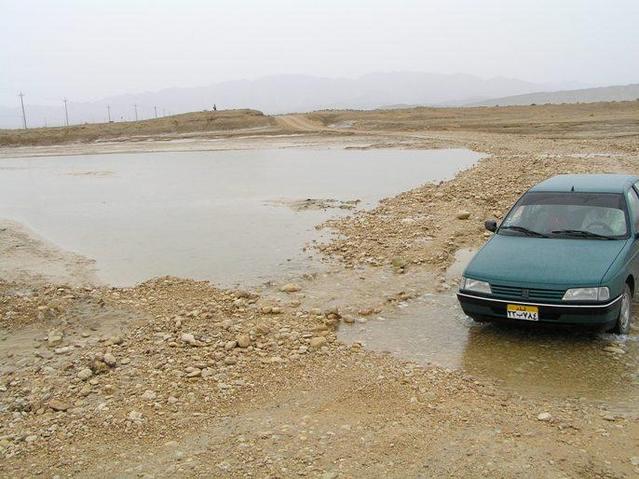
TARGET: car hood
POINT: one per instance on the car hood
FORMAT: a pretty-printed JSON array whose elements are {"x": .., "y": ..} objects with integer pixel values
[{"x": 543, "y": 262}]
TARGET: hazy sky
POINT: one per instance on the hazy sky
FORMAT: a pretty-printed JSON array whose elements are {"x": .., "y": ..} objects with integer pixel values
[{"x": 88, "y": 49}]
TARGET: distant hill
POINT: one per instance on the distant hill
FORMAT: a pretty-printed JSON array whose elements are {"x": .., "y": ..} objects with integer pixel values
[
  {"x": 584, "y": 95},
  {"x": 280, "y": 94}
]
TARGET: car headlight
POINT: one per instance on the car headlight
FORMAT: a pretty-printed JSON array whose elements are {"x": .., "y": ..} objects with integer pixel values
[
  {"x": 469, "y": 284},
  {"x": 587, "y": 294}
]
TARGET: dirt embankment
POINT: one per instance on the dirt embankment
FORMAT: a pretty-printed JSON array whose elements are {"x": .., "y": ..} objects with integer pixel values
[
  {"x": 177, "y": 126},
  {"x": 178, "y": 378}
]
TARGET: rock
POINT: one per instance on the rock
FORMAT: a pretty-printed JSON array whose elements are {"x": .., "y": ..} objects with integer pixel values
[
  {"x": 85, "y": 374},
  {"x": 58, "y": 405},
  {"x": 63, "y": 350},
  {"x": 149, "y": 395},
  {"x": 230, "y": 360},
  {"x": 44, "y": 354},
  {"x": 98, "y": 366},
  {"x": 291, "y": 288},
  {"x": 86, "y": 390},
  {"x": 109, "y": 360},
  {"x": 243, "y": 341},
  {"x": 634, "y": 460},
  {"x": 54, "y": 338},
  {"x": 135, "y": 416},
  {"x": 544, "y": 416},
  {"x": 347, "y": 318},
  {"x": 463, "y": 215},
  {"x": 365, "y": 311},
  {"x": 614, "y": 350},
  {"x": 195, "y": 372},
  {"x": 31, "y": 438},
  {"x": 188, "y": 338},
  {"x": 230, "y": 345},
  {"x": 317, "y": 342}
]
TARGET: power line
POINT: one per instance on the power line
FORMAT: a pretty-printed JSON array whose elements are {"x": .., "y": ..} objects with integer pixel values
[
  {"x": 109, "y": 113},
  {"x": 155, "y": 109},
  {"x": 135, "y": 107},
  {"x": 66, "y": 111},
  {"x": 24, "y": 116}
]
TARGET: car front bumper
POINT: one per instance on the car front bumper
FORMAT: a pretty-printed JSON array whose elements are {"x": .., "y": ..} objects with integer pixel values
[{"x": 489, "y": 308}]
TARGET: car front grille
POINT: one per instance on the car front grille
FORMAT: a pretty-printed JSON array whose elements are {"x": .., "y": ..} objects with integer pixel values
[{"x": 531, "y": 294}]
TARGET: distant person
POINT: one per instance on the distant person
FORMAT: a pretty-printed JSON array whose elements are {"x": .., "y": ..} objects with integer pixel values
[{"x": 214, "y": 107}]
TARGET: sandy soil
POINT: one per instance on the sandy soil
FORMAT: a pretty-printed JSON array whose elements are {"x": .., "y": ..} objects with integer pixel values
[{"x": 177, "y": 378}]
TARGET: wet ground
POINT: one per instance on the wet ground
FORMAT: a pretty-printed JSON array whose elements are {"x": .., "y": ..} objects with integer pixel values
[
  {"x": 226, "y": 216},
  {"x": 523, "y": 358}
]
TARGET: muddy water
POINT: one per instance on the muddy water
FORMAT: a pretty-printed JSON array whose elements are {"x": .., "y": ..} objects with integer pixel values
[
  {"x": 218, "y": 215},
  {"x": 523, "y": 358}
]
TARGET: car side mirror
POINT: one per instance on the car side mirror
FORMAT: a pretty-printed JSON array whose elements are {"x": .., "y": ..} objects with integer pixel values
[{"x": 491, "y": 225}]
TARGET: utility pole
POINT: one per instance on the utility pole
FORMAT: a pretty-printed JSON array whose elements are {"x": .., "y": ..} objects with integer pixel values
[
  {"x": 155, "y": 109},
  {"x": 135, "y": 107},
  {"x": 109, "y": 113},
  {"x": 66, "y": 111},
  {"x": 24, "y": 116}
]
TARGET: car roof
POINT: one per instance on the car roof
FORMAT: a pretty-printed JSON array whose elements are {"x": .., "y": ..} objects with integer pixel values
[{"x": 600, "y": 183}]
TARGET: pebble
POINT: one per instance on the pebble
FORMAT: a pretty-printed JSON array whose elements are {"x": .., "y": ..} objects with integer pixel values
[
  {"x": 614, "y": 350},
  {"x": 109, "y": 360},
  {"x": 149, "y": 395},
  {"x": 44, "y": 354},
  {"x": 54, "y": 338},
  {"x": 243, "y": 341},
  {"x": 135, "y": 416},
  {"x": 230, "y": 345},
  {"x": 634, "y": 460},
  {"x": 188, "y": 338},
  {"x": 317, "y": 342},
  {"x": 85, "y": 374},
  {"x": 58, "y": 405},
  {"x": 291, "y": 288},
  {"x": 463, "y": 215},
  {"x": 544, "y": 416},
  {"x": 86, "y": 390}
]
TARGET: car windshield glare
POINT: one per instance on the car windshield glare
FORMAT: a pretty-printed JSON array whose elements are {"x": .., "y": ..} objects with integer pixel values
[{"x": 568, "y": 215}]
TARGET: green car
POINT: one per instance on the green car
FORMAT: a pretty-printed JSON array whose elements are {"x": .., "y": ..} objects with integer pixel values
[{"x": 566, "y": 253}]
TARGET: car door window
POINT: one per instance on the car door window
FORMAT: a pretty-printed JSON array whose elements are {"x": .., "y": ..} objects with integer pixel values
[{"x": 633, "y": 203}]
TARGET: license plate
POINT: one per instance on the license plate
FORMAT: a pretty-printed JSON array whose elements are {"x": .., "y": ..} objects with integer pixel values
[{"x": 519, "y": 311}]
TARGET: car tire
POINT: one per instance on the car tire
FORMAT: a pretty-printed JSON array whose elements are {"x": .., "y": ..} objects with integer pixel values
[{"x": 622, "y": 326}]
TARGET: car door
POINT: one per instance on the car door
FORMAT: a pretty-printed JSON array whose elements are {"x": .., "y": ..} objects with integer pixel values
[{"x": 633, "y": 204}]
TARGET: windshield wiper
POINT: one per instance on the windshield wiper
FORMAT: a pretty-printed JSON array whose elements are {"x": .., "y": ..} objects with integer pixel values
[
  {"x": 583, "y": 234},
  {"x": 526, "y": 231}
]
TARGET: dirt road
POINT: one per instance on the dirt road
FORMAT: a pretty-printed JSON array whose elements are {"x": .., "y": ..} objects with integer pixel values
[{"x": 176, "y": 378}]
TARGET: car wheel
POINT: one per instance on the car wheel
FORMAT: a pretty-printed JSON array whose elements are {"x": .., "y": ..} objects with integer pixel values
[{"x": 625, "y": 313}]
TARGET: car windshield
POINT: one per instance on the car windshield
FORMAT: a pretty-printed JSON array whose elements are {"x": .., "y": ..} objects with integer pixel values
[{"x": 568, "y": 215}]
